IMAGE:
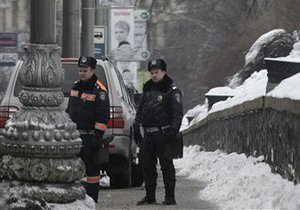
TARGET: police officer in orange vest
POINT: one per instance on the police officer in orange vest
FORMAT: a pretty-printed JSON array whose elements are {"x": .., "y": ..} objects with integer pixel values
[
  {"x": 89, "y": 108},
  {"x": 160, "y": 114}
]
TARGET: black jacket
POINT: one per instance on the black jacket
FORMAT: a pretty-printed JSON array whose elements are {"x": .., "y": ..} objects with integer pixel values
[
  {"x": 89, "y": 105},
  {"x": 160, "y": 105}
]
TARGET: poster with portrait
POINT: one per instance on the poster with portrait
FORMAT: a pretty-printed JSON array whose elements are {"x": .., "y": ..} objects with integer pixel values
[{"x": 121, "y": 34}]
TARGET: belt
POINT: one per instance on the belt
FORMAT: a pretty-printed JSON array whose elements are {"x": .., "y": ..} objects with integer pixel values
[
  {"x": 156, "y": 129},
  {"x": 86, "y": 132}
]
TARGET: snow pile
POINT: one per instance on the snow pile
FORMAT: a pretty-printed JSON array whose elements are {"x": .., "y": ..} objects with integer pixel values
[
  {"x": 237, "y": 182},
  {"x": 221, "y": 91},
  {"x": 295, "y": 53},
  {"x": 193, "y": 116},
  {"x": 253, "y": 87},
  {"x": 288, "y": 88},
  {"x": 260, "y": 42}
]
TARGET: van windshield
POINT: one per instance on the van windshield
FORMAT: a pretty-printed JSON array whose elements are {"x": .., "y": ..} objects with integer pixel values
[{"x": 71, "y": 75}]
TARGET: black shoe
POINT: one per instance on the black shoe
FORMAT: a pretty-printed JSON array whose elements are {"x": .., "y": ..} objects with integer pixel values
[
  {"x": 169, "y": 201},
  {"x": 146, "y": 200},
  {"x": 92, "y": 190}
]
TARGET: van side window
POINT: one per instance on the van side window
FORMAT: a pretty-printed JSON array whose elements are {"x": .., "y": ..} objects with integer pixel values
[
  {"x": 18, "y": 87},
  {"x": 118, "y": 86},
  {"x": 122, "y": 84}
]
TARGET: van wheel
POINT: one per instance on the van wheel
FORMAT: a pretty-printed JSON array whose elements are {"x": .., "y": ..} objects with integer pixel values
[{"x": 137, "y": 178}]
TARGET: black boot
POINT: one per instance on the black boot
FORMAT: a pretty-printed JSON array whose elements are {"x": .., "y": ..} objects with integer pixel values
[
  {"x": 149, "y": 198},
  {"x": 170, "y": 196},
  {"x": 169, "y": 201},
  {"x": 92, "y": 189}
]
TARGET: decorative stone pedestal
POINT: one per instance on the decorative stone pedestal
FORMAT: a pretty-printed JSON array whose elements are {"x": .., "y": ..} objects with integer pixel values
[{"x": 40, "y": 142}]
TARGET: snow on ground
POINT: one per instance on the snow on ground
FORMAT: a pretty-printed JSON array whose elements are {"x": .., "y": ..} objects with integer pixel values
[
  {"x": 237, "y": 182},
  {"x": 87, "y": 204}
]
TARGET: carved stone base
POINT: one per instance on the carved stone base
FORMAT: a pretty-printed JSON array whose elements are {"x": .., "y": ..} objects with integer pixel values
[
  {"x": 41, "y": 128},
  {"x": 21, "y": 195},
  {"x": 48, "y": 170}
]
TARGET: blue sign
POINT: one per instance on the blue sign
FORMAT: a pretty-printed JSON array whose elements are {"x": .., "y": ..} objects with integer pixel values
[
  {"x": 99, "y": 50},
  {"x": 99, "y": 41}
]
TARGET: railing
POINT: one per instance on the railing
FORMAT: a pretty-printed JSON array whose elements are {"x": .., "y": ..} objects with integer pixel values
[{"x": 265, "y": 126}]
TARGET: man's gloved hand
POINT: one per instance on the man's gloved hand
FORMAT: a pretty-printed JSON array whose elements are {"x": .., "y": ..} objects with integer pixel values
[
  {"x": 97, "y": 141},
  {"x": 137, "y": 136},
  {"x": 170, "y": 135},
  {"x": 100, "y": 141}
]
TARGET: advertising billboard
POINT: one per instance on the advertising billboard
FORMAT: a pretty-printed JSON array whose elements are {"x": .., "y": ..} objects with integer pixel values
[{"x": 121, "y": 33}]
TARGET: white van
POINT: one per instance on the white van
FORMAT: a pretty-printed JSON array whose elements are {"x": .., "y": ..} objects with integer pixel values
[{"x": 122, "y": 167}]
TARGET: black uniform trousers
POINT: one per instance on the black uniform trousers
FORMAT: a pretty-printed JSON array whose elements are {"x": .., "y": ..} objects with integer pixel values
[
  {"x": 87, "y": 153},
  {"x": 153, "y": 147}
]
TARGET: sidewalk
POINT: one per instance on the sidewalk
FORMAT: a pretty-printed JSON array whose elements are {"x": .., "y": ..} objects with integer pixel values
[{"x": 187, "y": 196}]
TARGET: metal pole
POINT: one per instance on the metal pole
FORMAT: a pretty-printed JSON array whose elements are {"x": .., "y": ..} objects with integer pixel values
[
  {"x": 87, "y": 27},
  {"x": 42, "y": 15},
  {"x": 101, "y": 16},
  {"x": 71, "y": 38}
]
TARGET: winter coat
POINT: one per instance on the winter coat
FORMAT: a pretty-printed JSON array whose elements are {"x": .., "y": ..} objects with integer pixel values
[
  {"x": 89, "y": 105},
  {"x": 160, "y": 105}
]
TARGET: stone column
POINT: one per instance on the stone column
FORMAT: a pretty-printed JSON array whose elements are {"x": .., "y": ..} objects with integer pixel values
[{"x": 40, "y": 141}]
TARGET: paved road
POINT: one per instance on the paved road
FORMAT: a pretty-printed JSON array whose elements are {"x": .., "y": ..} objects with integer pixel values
[{"x": 186, "y": 196}]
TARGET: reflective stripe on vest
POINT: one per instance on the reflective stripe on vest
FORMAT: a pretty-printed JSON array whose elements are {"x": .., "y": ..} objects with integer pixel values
[
  {"x": 100, "y": 126},
  {"x": 88, "y": 97},
  {"x": 74, "y": 93},
  {"x": 93, "y": 179},
  {"x": 101, "y": 85}
]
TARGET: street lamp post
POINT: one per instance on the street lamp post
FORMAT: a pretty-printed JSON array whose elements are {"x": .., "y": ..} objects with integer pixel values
[
  {"x": 71, "y": 32},
  {"x": 40, "y": 141},
  {"x": 87, "y": 27}
]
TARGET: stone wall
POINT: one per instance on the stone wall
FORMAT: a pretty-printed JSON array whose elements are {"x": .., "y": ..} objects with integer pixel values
[{"x": 265, "y": 126}]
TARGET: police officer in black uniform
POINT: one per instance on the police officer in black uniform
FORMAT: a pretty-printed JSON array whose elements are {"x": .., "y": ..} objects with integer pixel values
[
  {"x": 89, "y": 108},
  {"x": 160, "y": 114}
]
